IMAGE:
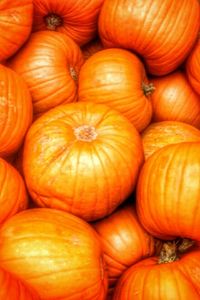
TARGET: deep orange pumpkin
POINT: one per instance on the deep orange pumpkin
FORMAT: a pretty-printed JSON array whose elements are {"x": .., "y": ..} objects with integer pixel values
[
  {"x": 152, "y": 28},
  {"x": 12, "y": 288},
  {"x": 15, "y": 110},
  {"x": 49, "y": 63},
  {"x": 117, "y": 78},
  {"x": 74, "y": 158},
  {"x": 16, "y": 18},
  {"x": 124, "y": 241},
  {"x": 168, "y": 192},
  {"x": 91, "y": 48},
  {"x": 56, "y": 253},
  {"x": 193, "y": 67},
  {"x": 77, "y": 19},
  {"x": 175, "y": 100},
  {"x": 13, "y": 196},
  {"x": 160, "y": 134}
]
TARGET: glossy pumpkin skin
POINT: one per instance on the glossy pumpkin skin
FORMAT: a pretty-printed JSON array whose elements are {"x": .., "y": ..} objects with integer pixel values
[
  {"x": 117, "y": 78},
  {"x": 15, "y": 110},
  {"x": 91, "y": 48},
  {"x": 13, "y": 196},
  {"x": 171, "y": 281},
  {"x": 13, "y": 289},
  {"x": 81, "y": 150},
  {"x": 56, "y": 253},
  {"x": 175, "y": 100},
  {"x": 16, "y": 18},
  {"x": 154, "y": 31},
  {"x": 76, "y": 19},
  {"x": 124, "y": 241},
  {"x": 161, "y": 134},
  {"x": 168, "y": 192},
  {"x": 193, "y": 67},
  {"x": 49, "y": 63}
]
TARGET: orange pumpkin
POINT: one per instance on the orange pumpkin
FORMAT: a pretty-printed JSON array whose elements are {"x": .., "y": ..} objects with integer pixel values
[
  {"x": 15, "y": 110},
  {"x": 77, "y": 19},
  {"x": 160, "y": 134},
  {"x": 91, "y": 48},
  {"x": 13, "y": 196},
  {"x": 117, "y": 78},
  {"x": 56, "y": 253},
  {"x": 168, "y": 192},
  {"x": 75, "y": 155},
  {"x": 152, "y": 28},
  {"x": 175, "y": 100},
  {"x": 193, "y": 67},
  {"x": 16, "y": 18},
  {"x": 49, "y": 63},
  {"x": 124, "y": 241}
]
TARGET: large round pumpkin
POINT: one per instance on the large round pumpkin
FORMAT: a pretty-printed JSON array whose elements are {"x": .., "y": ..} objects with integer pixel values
[
  {"x": 193, "y": 67},
  {"x": 49, "y": 63},
  {"x": 12, "y": 288},
  {"x": 82, "y": 158},
  {"x": 56, "y": 253},
  {"x": 168, "y": 192},
  {"x": 163, "y": 32},
  {"x": 124, "y": 241},
  {"x": 175, "y": 100},
  {"x": 76, "y": 18},
  {"x": 15, "y": 111},
  {"x": 160, "y": 134},
  {"x": 13, "y": 196},
  {"x": 16, "y": 18},
  {"x": 117, "y": 78}
]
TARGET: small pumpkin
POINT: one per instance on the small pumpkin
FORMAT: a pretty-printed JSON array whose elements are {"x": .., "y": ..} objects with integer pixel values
[
  {"x": 49, "y": 63},
  {"x": 56, "y": 253},
  {"x": 161, "y": 134},
  {"x": 175, "y": 100},
  {"x": 193, "y": 67},
  {"x": 74, "y": 157},
  {"x": 117, "y": 78}
]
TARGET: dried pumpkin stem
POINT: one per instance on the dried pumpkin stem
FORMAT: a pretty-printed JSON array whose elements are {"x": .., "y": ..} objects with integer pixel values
[
  {"x": 52, "y": 21},
  {"x": 168, "y": 253},
  {"x": 73, "y": 73},
  {"x": 184, "y": 245},
  {"x": 148, "y": 89}
]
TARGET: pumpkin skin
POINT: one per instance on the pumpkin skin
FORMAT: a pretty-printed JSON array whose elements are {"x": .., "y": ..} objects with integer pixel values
[
  {"x": 168, "y": 192},
  {"x": 175, "y": 100},
  {"x": 13, "y": 196},
  {"x": 154, "y": 31},
  {"x": 56, "y": 253},
  {"x": 193, "y": 67},
  {"x": 12, "y": 288},
  {"x": 171, "y": 281},
  {"x": 16, "y": 18},
  {"x": 124, "y": 241},
  {"x": 76, "y": 19},
  {"x": 49, "y": 63},
  {"x": 117, "y": 78},
  {"x": 161, "y": 134},
  {"x": 91, "y": 48},
  {"x": 16, "y": 111},
  {"x": 81, "y": 149}
]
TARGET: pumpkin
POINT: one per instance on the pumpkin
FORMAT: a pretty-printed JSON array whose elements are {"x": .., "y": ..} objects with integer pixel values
[
  {"x": 193, "y": 67},
  {"x": 76, "y": 19},
  {"x": 13, "y": 196},
  {"x": 13, "y": 289},
  {"x": 15, "y": 110},
  {"x": 153, "y": 29},
  {"x": 160, "y": 134},
  {"x": 175, "y": 100},
  {"x": 172, "y": 276},
  {"x": 91, "y": 48},
  {"x": 74, "y": 157},
  {"x": 49, "y": 63},
  {"x": 56, "y": 253},
  {"x": 16, "y": 18},
  {"x": 124, "y": 241},
  {"x": 168, "y": 192},
  {"x": 117, "y": 78}
]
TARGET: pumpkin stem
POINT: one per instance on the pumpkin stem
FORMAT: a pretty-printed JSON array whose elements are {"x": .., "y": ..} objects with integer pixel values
[
  {"x": 73, "y": 73},
  {"x": 85, "y": 133},
  {"x": 52, "y": 21},
  {"x": 148, "y": 89},
  {"x": 184, "y": 245},
  {"x": 168, "y": 253}
]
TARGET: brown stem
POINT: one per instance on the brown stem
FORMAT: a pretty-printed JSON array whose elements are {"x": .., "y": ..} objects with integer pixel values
[
  {"x": 73, "y": 73},
  {"x": 148, "y": 89},
  {"x": 168, "y": 253},
  {"x": 52, "y": 21},
  {"x": 184, "y": 245}
]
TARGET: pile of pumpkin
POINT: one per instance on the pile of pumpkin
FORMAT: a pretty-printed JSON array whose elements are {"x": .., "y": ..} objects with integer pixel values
[{"x": 99, "y": 150}]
